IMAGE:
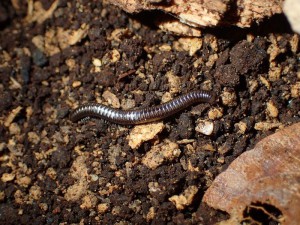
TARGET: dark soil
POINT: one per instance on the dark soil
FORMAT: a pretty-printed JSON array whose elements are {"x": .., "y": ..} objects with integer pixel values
[{"x": 53, "y": 171}]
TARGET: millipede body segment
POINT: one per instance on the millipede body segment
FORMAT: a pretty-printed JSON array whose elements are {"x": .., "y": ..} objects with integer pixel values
[{"x": 143, "y": 115}]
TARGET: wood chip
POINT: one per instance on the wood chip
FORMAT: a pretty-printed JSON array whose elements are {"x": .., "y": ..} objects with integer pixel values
[
  {"x": 177, "y": 27},
  {"x": 265, "y": 82}
]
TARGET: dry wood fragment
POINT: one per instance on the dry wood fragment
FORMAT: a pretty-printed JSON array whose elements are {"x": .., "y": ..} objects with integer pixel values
[{"x": 205, "y": 13}]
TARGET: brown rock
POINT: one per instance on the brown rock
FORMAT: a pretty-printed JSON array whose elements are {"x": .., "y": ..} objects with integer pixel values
[{"x": 267, "y": 175}]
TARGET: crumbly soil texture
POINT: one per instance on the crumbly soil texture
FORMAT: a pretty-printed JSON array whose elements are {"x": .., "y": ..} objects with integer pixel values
[{"x": 57, "y": 55}]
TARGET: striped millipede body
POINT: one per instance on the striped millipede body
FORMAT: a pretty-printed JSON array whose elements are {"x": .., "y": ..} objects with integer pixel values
[{"x": 143, "y": 115}]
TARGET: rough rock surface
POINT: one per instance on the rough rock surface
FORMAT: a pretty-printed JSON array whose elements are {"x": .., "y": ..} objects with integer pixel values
[
  {"x": 265, "y": 179},
  {"x": 204, "y": 13}
]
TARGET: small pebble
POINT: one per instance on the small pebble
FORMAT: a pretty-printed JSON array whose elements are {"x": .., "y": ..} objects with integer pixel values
[
  {"x": 271, "y": 110},
  {"x": 228, "y": 98},
  {"x": 14, "y": 129},
  {"x": 43, "y": 206},
  {"x": 39, "y": 58},
  {"x": 185, "y": 198},
  {"x": 127, "y": 103},
  {"x": 102, "y": 207},
  {"x": 158, "y": 154},
  {"x": 265, "y": 82},
  {"x": 267, "y": 125},
  {"x": 97, "y": 62},
  {"x": 76, "y": 84},
  {"x": 144, "y": 132},
  {"x": 205, "y": 127},
  {"x": 295, "y": 90},
  {"x": 112, "y": 99},
  {"x": 33, "y": 137},
  {"x": 241, "y": 126},
  {"x": 6, "y": 177},
  {"x": 94, "y": 177},
  {"x": 215, "y": 113},
  {"x": 221, "y": 159}
]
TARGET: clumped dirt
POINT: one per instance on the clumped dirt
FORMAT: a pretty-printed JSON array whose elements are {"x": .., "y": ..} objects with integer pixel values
[{"x": 53, "y": 171}]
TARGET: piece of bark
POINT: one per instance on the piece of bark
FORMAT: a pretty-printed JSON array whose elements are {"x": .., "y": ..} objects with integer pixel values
[
  {"x": 206, "y": 13},
  {"x": 250, "y": 11},
  {"x": 269, "y": 175}
]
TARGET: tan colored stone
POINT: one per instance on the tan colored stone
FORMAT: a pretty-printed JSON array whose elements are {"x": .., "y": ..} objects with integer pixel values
[
  {"x": 295, "y": 90},
  {"x": 14, "y": 129},
  {"x": 144, "y": 132},
  {"x": 158, "y": 154},
  {"x": 228, "y": 98},
  {"x": 215, "y": 113},
  {"x": 242, "y": 126},
  {"x": 76, "y": 84},
  {"x": 267, "y": 125},
  {"x": 189, "y": 44},
  {"x": 89, "y": 201},
  {"x": 35, "y": 192},
  {"x": 272, "y": 110},
  {"x": 102, "y": 207},
  {"x": 6, "y": 177},
  {"x": 185, "y": 199},
  {"x": 112, "y": 99}
]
